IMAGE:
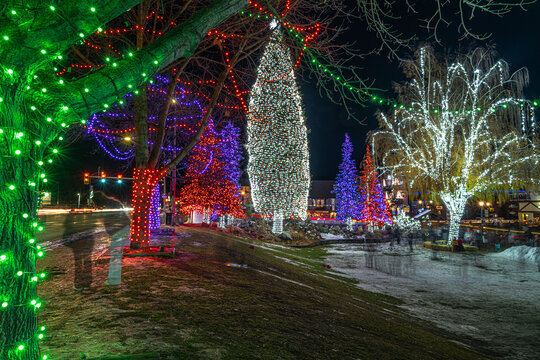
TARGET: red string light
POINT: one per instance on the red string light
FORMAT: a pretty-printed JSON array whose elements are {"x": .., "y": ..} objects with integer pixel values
[
  {"x": 143, "y": 187},
  {"x": 209, "y": 188}
]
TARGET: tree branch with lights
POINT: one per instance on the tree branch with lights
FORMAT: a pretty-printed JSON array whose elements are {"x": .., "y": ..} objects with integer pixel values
[
  {"x": 467, "y": 129},
  {"x": 35, "y": 110}
]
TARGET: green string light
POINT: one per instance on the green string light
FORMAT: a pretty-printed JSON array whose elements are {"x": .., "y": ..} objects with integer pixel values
[{"x": 377, "y": 99}]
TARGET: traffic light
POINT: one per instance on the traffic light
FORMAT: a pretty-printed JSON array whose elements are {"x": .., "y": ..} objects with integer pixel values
[
  {"x": 103, "y": 175},
  {"x": 119, "y": 177},
  {"x": 86, "y": 178}
]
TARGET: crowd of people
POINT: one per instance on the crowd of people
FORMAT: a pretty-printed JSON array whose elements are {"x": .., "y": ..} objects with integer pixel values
[{"x": 482, "y": 239}]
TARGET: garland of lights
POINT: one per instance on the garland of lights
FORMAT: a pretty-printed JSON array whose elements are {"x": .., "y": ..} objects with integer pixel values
[
  {"x": 346, "y": 185},
  {"x": 373, "y": 206},
  {"x": 277, "y": 145}
]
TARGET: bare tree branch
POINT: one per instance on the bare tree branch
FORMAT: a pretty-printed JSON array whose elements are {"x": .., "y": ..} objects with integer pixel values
[{"x": 89, "y": 94}]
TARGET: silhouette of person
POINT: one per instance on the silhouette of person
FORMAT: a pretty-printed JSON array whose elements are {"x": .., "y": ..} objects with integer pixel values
[
  {"x": 82, "y": 252},
  {"x": 113, "y": 224}
]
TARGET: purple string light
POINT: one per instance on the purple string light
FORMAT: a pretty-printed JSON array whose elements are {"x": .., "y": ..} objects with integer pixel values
[
  {"x": 231, "y": 152},
  {"x": 153, "y": 215},
  {"x": 108, "y": 143}
]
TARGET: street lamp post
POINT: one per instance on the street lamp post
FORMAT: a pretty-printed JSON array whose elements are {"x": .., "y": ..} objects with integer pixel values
[
  {"x": 78, "y": 200},
  {"x": 481, "y": 203}
]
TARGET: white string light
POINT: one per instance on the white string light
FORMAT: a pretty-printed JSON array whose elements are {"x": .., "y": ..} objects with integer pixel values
[{"x": 455, "y": 151}]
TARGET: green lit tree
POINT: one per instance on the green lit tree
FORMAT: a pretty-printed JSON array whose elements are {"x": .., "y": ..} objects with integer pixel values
[{"x": 36, "y": 108}]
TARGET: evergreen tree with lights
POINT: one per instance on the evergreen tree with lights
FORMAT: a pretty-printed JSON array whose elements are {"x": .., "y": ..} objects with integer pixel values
[
  {"x": 231, "y": 156},
  {"x": 231, "y": 152},
  {"x": 210, "y": 188},
  {"x": 278, "y": 165},
  {"x": 346, "y": 185},
  {"x": 374, "y": 208}
]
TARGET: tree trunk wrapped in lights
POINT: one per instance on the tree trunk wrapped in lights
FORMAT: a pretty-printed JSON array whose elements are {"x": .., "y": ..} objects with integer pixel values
[
  {"x": 36, "y": 107},
  {"x": 144, "y": 183},
  {"x": 463, "y": 130},
  {"x": 277, "y": 137}
]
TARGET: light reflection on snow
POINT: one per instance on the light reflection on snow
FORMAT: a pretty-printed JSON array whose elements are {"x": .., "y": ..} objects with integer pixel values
[{"x": 492, "y": 298}]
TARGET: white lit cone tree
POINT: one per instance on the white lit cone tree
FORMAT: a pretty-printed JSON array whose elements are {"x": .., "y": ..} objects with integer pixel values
[
  {"x": 277, "y": 145},
  {"x": 465, "y": 131},
  {"x": 36, "y": 107}
]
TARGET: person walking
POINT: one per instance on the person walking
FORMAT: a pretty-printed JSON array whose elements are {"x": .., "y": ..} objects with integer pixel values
[
  {"x": 529, "y": 237},
  {"x": 460, "y": 244},
  {"x": 478, "y": 238}
]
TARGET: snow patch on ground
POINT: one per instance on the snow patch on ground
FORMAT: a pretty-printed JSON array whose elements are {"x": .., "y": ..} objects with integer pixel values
[
  {"x": 293, "y": 262},
  {"x": 477, "y": 296},
  {"x": 327, "y": 236},
  {"x": 521, "y": 253}
]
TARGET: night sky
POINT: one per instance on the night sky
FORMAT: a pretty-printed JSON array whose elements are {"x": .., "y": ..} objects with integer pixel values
[
  {"x": 516, "y": 39},
  {"x": 514, "y": 36}
]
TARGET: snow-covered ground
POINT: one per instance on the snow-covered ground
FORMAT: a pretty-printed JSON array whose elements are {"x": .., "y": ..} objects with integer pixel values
[
  {"x": 326, "y": 236},
  {"x": 521, "y": 253},
  {"x": 493, "y": 298}
]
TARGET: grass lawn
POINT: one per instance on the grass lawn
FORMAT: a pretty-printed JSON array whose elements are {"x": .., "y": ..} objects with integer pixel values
[{"x": 231, "y": 298}]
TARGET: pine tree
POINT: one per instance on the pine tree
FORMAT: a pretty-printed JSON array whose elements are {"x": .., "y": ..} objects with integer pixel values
[
  {"x": 210, "y": 188},
  {"x": 346, "y": 185},
  {"x": 278, "y": 165},
  {"x": 374, "y": 207},
  {"x": 231, "y": 152}
]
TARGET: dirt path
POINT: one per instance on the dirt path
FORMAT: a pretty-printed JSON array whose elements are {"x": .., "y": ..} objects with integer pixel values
[{"x": 230, "y": 298}]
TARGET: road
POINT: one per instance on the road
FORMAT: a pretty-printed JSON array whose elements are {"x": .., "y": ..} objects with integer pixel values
[{"x": 63, "y": 227}]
